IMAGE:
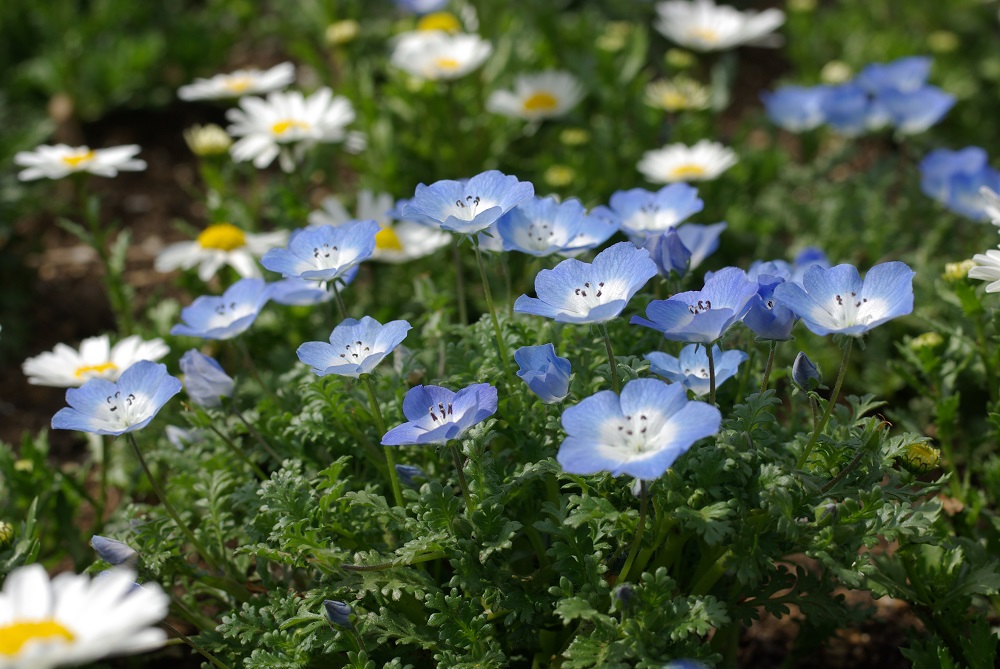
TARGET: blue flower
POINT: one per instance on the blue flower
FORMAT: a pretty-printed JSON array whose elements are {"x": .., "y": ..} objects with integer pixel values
[
  {"x": 904, "y": 74},
  {"x": 437, "y": 415},
  {"x": 640, "y": 434},
  {"x": 545, "y": 373},
  {"x": 579, "y": 292},
  {"x": 797, "y": 108},
  {"x": 544, "y": 226},
  {"x": 851, "y": 110},
  {"x": 323, "y": 252},
  {"x": 806, "y": 258},
  {"x": 470, "y": 206},
  {"x": 205, "y": 380},
  {"x": 837, "y": 301},
  {"x": 702, "y": 316},
  {"x": 114, "y": 552},
  {"x": 767, "y": 317},
  {"x": 915, "y": 111},
  {"x": 103, "y": 407},
  {"x": 804, "y": 373},
  {"x": 296, "y": 292},
  {"x": 701, "y": 240},
  {"x": 338, "y": 613},
  {"x": 690, "y": 368},
  {"x": 668, "y": 252},
  {"x": 355, "y": 348},
  {"x": 421, "y": 6},
  {"x": 224, "y": 317},
  {"x": 642, "y": 213},
  {"x": 955, "y": 178},
  {"x": 408, "y": 475}
]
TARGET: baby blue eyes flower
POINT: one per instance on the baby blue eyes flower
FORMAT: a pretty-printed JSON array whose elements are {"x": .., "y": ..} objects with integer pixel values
[
  {"x": 205, "y": 380},
  {"x": 904, "y": 74},
  {"x": 114, "y": 552},
  {"x": 323, "y": 252},
  {"x": 103, "y": 407},
  {"x": 355, "y": 348},
  {"x": 437, "y": 415},
  {"x": 767, "y": 317},
  {"x": 545, "y": 373},
  {"x": 640, "y": 433},
  {"x": 955, "y": 178},
  {"x": 543, "y": 226},
  {"x": 915, "y": 111},
  {"x": 643, "y": 213},
  {"x": 804, "y": 373},
  {"x": 471, "y": 206},
  {"x": 797, "y": 108},
  {"x": 338, "y": 613},
  {"x": 702, "y": 316},
  {"x": 296, "y": 292},
  {"x": 211, "y": 317},
  {"x": 690, "y": 368},
  {"x": 579, "y": 292},
  {"x": 837, "y": 301}
]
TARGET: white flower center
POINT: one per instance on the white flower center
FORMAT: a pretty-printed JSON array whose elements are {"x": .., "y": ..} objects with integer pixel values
[
  {"x": 441, "y": 414},
  {"x": 355, "y": 352},
  {"x": 467, "y": 209},
  {"x": 123, "y": 411},
  {"x": 651, "y": 217},
  {"x": 326, "y": 257}
]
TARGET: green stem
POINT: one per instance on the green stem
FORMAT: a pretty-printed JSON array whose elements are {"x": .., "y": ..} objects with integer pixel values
[
  {"x": 338, "y": 300},
  {"x": 168, "y": 507},
  {"x": 770, "y": 364},
  {"x": 102, "y": 494},
  {"x": 238, "y": 452},
  {"x": 489, "y": 303},
  {"x": 711, "y": 575},
  {"x": 615, "y": 383},
  {"x": 393, "y": 565},
  {"x": 258, "y": 437},
  {"x": 829, "y": 407},
  {"x": 843, "y": 472},
  {"x": 463, "y": 312},
  {"x": 711, "y": 374},
  {"x": 643, "y": 504},
  {"x": 189, "y": 641},
  {"x": 390, "y": 458},
  {"x": 470, "y": 505}
]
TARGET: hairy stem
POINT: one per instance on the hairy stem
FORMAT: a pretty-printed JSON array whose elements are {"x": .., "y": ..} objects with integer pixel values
[
  {"x": 390, "y": 458},
  {"x": 829, "y": 407}
]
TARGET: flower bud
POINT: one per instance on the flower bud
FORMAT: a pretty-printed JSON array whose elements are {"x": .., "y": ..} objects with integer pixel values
[
  {"x": 339, "y": 613},
  {"x": 679, "y": 59},
  {"x": 835, "y": 72},
  {"x": 804, "y": 373},
  {"x": 955, "y": 272},
  {"x": 342, "y": 32},
  {"x": 623, "y": 594},
  {"x": 926, "y": 340},
  {"x": 114, "y": 552},
  {"x": 920, "y": 457},
  {"x": 558, "y": 176},
  {"x": 408, "y": 474},
  {"x": 207, "y": 140},
  {"x": 545, "y": 373},
  {"x": 205, "y": 380},
  {"x": 574, "y": 136},
  {"x": 6, "y": 534}
]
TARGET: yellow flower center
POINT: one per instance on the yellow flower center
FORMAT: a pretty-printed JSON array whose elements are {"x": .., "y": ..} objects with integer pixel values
[
  {"x": 689, "y": 171},
  {"x": 224, "y": 236},
  {"x": 77, "y": 159},
  {"x": 388, "y": 240},
  {"x": 447, "y": 63},
  {"x": 541, "y": 101},
  {"x": 87, "y": 371},
  {"x": 281, "y": 127},
  {"x": 238, "y": 84},
  {"x": 445, "y": 21},
  {"x": 14, "y": 636},
  {"x": 673, "y": 101},
  {"x": 706, "y": 35}
]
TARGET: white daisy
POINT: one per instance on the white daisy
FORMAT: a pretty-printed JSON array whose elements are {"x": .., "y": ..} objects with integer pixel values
[
  {"x": 991, "y": 206},
  {"x": 704, "y": 26},
  {"x": 987, "y": 269},
  {"x": 538, "y": 96},
  {"x": 678, "y": 94},
  {"x": 397, "y": 241},
  {"x": 435, "y": 54},
  {"x": 267, "y": 126},
  {"x": 239, "y": 83},
  {"x": 55, "y": 162},
  {"x": 73, "y": 619},
  {"x": 217, "y": 245},
  {"x": 66, "y": 367},
  {"x": 677, "y": 162}
]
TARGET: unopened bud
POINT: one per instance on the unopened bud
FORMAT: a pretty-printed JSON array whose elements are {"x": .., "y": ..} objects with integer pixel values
[
  {"x": 114, "y": 552},
  {"x": 341, "y": 32},
  {"x": 339, "y": 613},
  {"x": 926, "y": 340},
  {"x": 920, "y": 457},
  {"x": 804, "y": 373},
  {"x": 207, "y": 140},
  {"x": 6, "y": 533},
  {"x": 957, "y": 271}
]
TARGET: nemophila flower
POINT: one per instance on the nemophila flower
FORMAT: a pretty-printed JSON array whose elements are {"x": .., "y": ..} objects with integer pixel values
[
  {"x": 269, "y": 127},
  {"x": 701, "y": 240},
  {"x": 217, "y": 245},
  {"x": 66, "y": 367},
  {"x": 916, "y": 111},
  {"x": 296, "y": 292},
  {"x": 640, "y": 433},
  {"x": 544, "y": 226},
  {"x": 690, "y": 368},
  {"x": 180, "y": 437},
  {"x": 904, "y": 74},
  {"x": 56, "y": 162},
  {"x": 323, "y": 252},
  {"x": 355, "y": 348},
  {"x": 538, "y": 96},
  {"x": 804, "y": 373},
  {"x": 987, "y": 269},
  {"x": 545, "y": 373},
  {"x": 702, "y": 25},
  {"x": 797, "y": 108},
  {"x": 338, "y": 613},
  {"x": 702, "y": 316},
  {"x": 685, "y": 663},
  {"x": 205, "y": 380},
  {"x": 467, "y": 207},
  {"x": 435, "y": 54},
  {"x": 225, "y": 316},
  {"x": 397, "y": 241},
  {"x": 852, "y": 111},
  {"x": 767, "y": 317},
  {"x": 114, "y": 552},
  {"x": 678, "y": 162},
  {"x": 239, "y": 83},
  {"x": 437, "y": 415},
  {"x": 408, "y": 475},
  {"x": 678, "y": 94},
  {"x": 103, "y": 407},
  {"x": 642, "y": 213},
  {"x": 73, "y": 619},
  {"x": 837, "y": 301},
  {"x": 578, "y": 292},
  {"x": 668, "y": 252},
  {"x": 955, "y": 178},
  {"x": 421, "y": 6}
]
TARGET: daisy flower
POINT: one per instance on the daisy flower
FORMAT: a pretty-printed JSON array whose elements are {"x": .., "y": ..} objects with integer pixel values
[
  {"x": 702, "y": 25},
  {"x": 268, "y": 127},
  {"x": 987, "y": 269},
  {"x": 73, "y": 619},
  {"x": 217, "y": 245},
  {"x": 239, "y": 83},
  {"x": 435, "y": 54},
  {"x": 678, "y": 162},
  {"x": 679, "y": 94},
  {"x": 55, "y": 162},
  {"x": 66, "y": 367},
  {"x": 539, "y": 96}
]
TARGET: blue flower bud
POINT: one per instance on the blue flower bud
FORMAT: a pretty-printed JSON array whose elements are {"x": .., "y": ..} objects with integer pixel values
[
  {"x": 114, "y": 552},
  {"x": 804, "y": 373},
  {"x": 545, "y": 373},
  {"x": 339, "y": 613},
  {"x": 668, "y": 252},
  {"x": 408, "y": 473},
  {"x": 623, "y": 595},
  {"x": 205, "y": 380}
]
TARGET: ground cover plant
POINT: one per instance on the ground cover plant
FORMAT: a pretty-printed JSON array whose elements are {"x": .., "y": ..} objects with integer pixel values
[{"x": 480, "y": 334}]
